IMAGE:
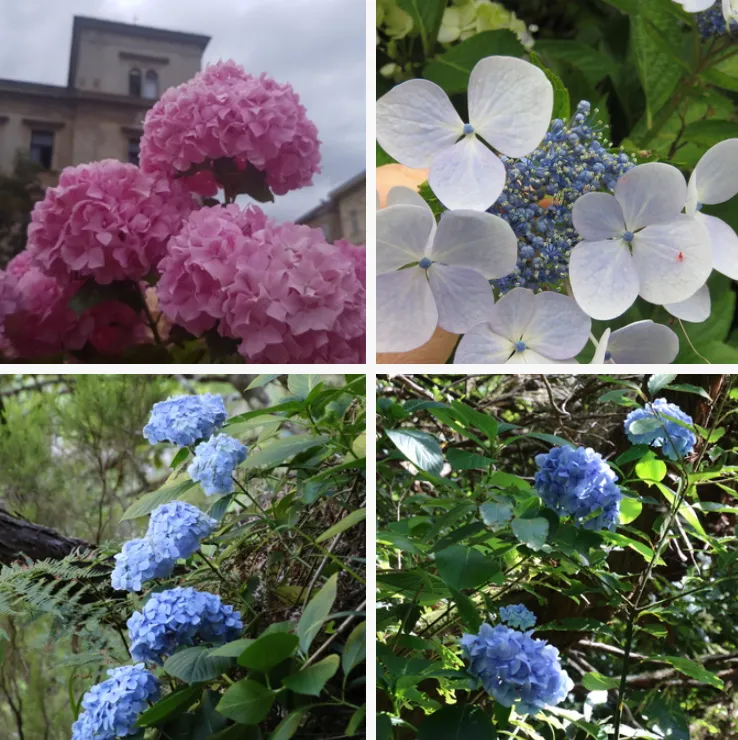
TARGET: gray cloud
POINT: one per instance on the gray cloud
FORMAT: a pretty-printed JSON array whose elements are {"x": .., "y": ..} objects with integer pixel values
[{"x": 318, "y": 46}]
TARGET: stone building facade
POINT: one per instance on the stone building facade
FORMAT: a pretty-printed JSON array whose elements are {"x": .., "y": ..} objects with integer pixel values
[
  {"x": 116, "y": 72},
  {"x": 343, "y": 214}
]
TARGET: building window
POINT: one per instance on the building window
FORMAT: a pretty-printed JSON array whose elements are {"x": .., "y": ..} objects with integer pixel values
[
  {"x": 325, "y": 227},
  {"x": 42, "y": 148},
  {"x": 133, "y": 151},
  {"x": 151, "y": 85},
  {"x": 134, "y": 83}
]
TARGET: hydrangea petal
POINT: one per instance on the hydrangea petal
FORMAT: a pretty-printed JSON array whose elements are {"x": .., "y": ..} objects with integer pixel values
[
  {"x": 559, "y": 329},
  {"x": 512, "y": 314},
  {"x": 603, "y": 278},
  {"x": 600, "y": 355},
  {"x": 696, "y": 6},
  {"x": 716, "y": 175},
  {"x": 529, "y": 357},
  {"x": 403, "y": 232},
  {"x": 481, "y": 345},
  {"x": 724, "y": 243},
  {"x": 696, "y": 308},
  {"x": 598, "y": 216},
  {"x": 406, "y": 310},
  {"x": 467, "y": 175},
  {"x": 673, "y": 259},
  {"x": 477, "y": 240},
  {"x": 399, "y": 195},
  {"x": 644, "y": 342},
  {"x": 510, "y": 104},
  {"x": 676, "y": 440},
  {"x": 416, "y": 121},
  {"x": 463, "y": 297},
  {"x": 650, "y": 194}
]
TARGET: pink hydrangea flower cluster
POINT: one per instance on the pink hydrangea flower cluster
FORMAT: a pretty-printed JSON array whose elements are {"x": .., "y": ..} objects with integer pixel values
[
  {"x": 106, "y": 220},
  {"x": 281, "y": 289},
  {"x": 225, "y": 113}
]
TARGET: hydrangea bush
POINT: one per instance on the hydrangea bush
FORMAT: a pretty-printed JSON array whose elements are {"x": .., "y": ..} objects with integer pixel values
[
  {"x": 621, "y": 196},
  {"x": 146, "y": 262},
  {"x": 530, "y": 554},
  {"x": 241, "y": 635}
]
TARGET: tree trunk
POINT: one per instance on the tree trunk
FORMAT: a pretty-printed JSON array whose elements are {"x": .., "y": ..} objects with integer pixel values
[{"x": 21, "y": 539}]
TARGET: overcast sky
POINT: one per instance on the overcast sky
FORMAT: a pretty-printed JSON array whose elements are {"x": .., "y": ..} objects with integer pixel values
[{"x": 318, "y": 46}]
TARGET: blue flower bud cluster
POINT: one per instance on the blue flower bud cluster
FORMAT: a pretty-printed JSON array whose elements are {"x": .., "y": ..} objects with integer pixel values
[
  {"x": 214, "y": 463},
  {"x": 580, "y": 484},
  {"x": 675, "y": 440},
  {"x": 175, "y": 530},
  {"x": 183, "y": 420},
  {"x": 541, "y": 190},
  {"x": 516, "y": 669},
  {"x": 177, "y": 617},
  {"x": 110, "y": 709},
  {"x": 518, "y": 616},
  {"x": 712, "y": 23}
]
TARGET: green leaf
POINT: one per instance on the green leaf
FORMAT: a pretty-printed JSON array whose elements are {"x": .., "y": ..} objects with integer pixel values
[
  {"x": 247, "y": 702},
  {"x": 357, "y": 719},
  {"x": 646, "y": 424},
  {"x": 301, "y": 385},
  {"x": 496, "y": 514},
  {"x": 280, "y": 450},
  {"x": 531, "y": 532},
  {"x": 657, "y": 383},
  {"x": 688, "y": 388},
  {"x": 359, "y": 515},
  {"x": 463, "y": 460},
  {"x": 708, "y": 133},
  {"x": 261, "y": 380},
  {"x": 562, "y": 104},
  {"x": 650, "y": 468},
  {"x": 196, "y": 664},
  {"x": 457, "y": 722},
  {"x": 354, "y": 651},
  {"x": 267, "y": 651},
  {"x": 685, "y": 510},
  {"x": 312, "y": 679},
  {"x": 427, "y": 16},
  {"x": 316, "y": 612},
  {"x": 168, "y": 492},
  {"x": 451, "y": 69},
  {"x": 594, "y": 65},
  {"x": 421, "y": 448},
  {"x": 693, "y": 670},
  {"x": 288, "y": 726},
  {"x": 167, "y": 706},
  {"x": 465, "y": 567},
  {"x": 594, "y": 681},
  {"x": 630, "y": 510},
  {"x": 231, "y": 649},
  {"x": 467, "y": 610}
]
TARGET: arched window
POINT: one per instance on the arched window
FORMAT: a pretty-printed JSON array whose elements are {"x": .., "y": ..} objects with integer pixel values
[
  {"x": 151, "y": 85},
  {"x": 134, "y": 83}
]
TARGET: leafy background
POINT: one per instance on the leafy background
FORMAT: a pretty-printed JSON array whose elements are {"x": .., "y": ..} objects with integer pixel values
[{"x": 664, "y": 93}]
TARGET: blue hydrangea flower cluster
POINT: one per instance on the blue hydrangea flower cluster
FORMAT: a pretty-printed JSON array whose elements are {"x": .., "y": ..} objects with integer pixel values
[
  {"x": 712, "y": 23},
  {"x": 183, "y": 420},
  {"x": 516, "y": 668},
  {"x": 177, "y": 617},
  {"x": 541, "y": 190},
  {"x": 110, "y": 708},
  {"x": 175, "y": 531},
  {"x": 214, "y": 463},
  {"x": 675, "y": 440},
  {"x": 580, "y": 484},
  {"x": 518, "y": 616}
]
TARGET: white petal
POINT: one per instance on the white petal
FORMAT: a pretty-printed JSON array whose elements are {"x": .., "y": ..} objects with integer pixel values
[
  {"x": 650, "y": 194},
  {"x": 673, "y": 259},
  {"x": 716, "y": 174},
  {"x": 399, "y": 195},
  {"x": 696, "y": 308},
  {"x": 402, "y": 236},
  {"x": 463, "y": 297},
  {"x": 467, "y": 175},
  {"x": 416, "y": 121},
  {"x": 559, "y": 328},
  {"x": 406, "y": 312},
  {"x": 601, "y": 349},
  {"x": 512, "y": 314},
  {"x": 510, "y": 104},
  {"x": 696, "y": 6},
  {"x": 603, "y": 278},
  {"x": 478, "y": 240},
  {"x": 529, "y": 357},
  {"x": 644, "y": 342},
  {"x": 598, "y": 216},
  {"x": 481, "y": 345},
  {"x": 724, "y": 243}
]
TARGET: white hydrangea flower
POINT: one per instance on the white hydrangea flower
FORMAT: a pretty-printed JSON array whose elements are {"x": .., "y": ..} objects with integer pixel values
[
  {"x": 641, "y": 342},
  {"x": 527, "y": 328},
  {"x": 510, "y": 107},
  {"x": 637, "y": 242},
  {"x": 730, "y": 7},
  {"x": 432, "y": 275},
  {"x": 695, "y": 309}
]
